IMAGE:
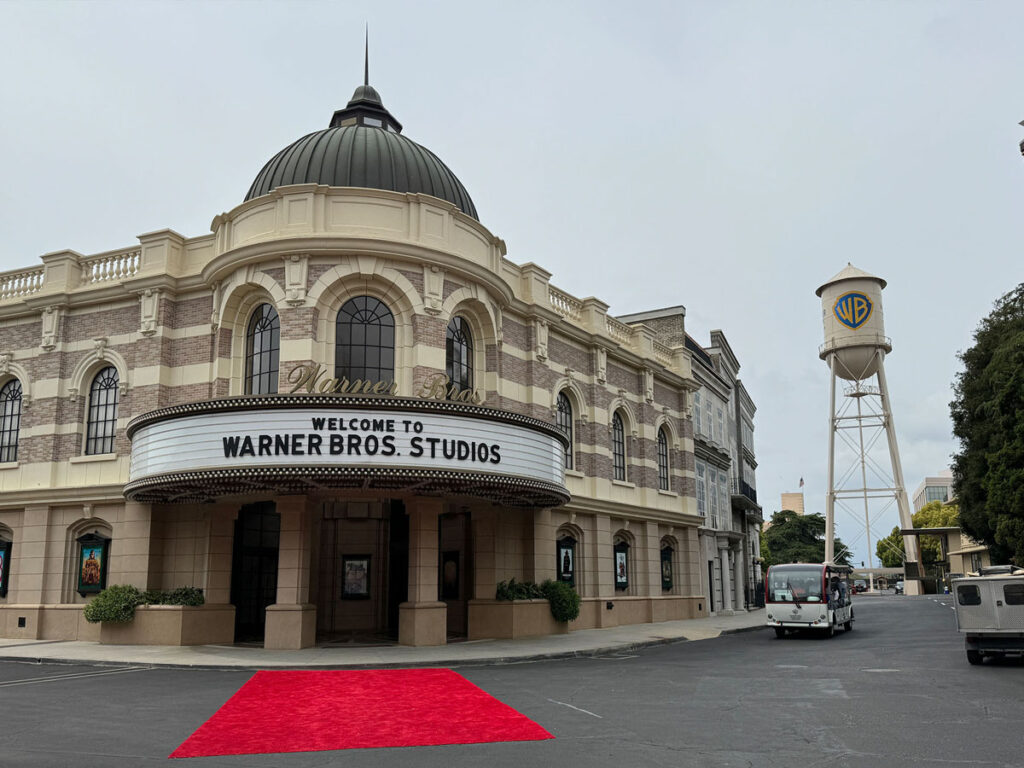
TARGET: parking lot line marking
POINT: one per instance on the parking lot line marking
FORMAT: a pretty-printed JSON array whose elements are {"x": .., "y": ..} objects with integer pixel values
[
  {"x": 570, "y": 706},
  {"x": 71, "y": 676}
]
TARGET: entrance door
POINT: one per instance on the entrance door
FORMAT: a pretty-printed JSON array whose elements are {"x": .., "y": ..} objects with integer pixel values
[
  {"x": 454, "y": 568},
  {"x": 398, "y": 564},
  {"x": 711, "y": 586},
  {"x": 254, "y": 568}
]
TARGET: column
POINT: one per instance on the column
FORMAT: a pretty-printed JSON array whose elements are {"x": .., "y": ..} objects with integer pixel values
[
  {"x": 423, "y": 620},
  {"x": 28, "y": 571},
  {"x": 602, "y": 566},
  {"x": 543, "y": 551},
  {"x": 739, "y": 582},
  {"x": 291, "y": 621},
  {"x": 723, "y": 558},
  {"x": 485, "y": 578},
  {"x": 130, "y": 563},
  {"x": 219, "y": 553},
  {"x": 650, "y": 542}
]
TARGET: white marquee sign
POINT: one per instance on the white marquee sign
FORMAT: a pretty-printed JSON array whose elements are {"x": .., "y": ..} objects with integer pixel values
[{"x": 363, "y": 437}]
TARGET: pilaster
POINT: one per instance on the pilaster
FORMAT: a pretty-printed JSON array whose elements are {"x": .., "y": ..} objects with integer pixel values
[{"x": 423, "y": 619}]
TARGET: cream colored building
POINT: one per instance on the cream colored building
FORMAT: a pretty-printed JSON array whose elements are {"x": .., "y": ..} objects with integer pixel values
[
  {"x": 343, "y": 412},
  {"x": 793, "y": 502}
]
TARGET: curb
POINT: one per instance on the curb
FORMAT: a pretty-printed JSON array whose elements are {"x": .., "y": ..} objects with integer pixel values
[{"x": 448, "y": 663}]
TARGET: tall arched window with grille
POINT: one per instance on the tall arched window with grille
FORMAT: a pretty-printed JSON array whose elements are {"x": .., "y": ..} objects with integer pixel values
[
  {"x": 262, "y": 351},
  {"x": 102, "y": 419},
  {"x": 10, "y": 420},
  {"x": 563, "y": 420},
  {"x": 663, "y": 481},
  {"x": 618, "y": 448},
  {"x": 365, "y": 341},
  {"x": 459, "y": 354}
]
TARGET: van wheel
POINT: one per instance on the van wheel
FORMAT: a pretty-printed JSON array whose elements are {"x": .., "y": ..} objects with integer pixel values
[
  {"x": 780, "y": 631},
  {"x": 974, "y": 657},
  {"x": 848, "y": 626},
  {"x": 831, "y": 631}
]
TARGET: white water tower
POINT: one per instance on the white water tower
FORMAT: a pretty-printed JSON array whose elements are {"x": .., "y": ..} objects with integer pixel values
[{"x": 854, "y": 349}]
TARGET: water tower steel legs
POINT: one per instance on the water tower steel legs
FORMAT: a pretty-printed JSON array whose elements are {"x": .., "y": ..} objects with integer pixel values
[
  {"x": 830, "y": 499},
  {"x": 911, "y": 584},
  {"x": 864, "y": 484}
]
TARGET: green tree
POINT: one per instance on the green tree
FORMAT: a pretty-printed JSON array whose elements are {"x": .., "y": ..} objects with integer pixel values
[
  {"x": 934, "y": 514},
  {"x": 988, "y": 420},
  {"x": 794, "y": 538}
]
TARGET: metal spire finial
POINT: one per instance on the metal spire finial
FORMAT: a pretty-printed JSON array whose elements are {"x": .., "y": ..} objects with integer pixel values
[{"x": 366, "y": 60}]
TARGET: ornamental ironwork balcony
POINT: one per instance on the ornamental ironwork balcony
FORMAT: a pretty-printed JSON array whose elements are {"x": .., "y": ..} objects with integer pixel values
[{"x": 743, "y": 489}]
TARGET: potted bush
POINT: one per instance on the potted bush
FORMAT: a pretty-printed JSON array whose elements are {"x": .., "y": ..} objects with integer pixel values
[{"x": 128, "y": 616}]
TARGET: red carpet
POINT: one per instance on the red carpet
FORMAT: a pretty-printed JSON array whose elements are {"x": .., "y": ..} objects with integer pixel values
[{"x": 311, "y": 711}]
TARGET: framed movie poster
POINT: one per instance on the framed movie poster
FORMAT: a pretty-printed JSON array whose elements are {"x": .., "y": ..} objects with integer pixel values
[
  {"x": 622, "y": 565},
  {"x": 566, "y": 564},
  {"x": 355, "y": 577},
  {"x": 450, "y": 575},
  {"x": 93, "y": 551},
  {"x": 5, "y": 566},
  {"x": 666, "y": 568}
]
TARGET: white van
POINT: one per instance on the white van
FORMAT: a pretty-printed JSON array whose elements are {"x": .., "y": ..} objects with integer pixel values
[{"x": 990, "y": 614}]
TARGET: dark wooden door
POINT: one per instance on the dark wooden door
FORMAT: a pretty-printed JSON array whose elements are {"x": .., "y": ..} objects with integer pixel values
[
  {"x": 254, "y": 568},
  {"x": 398, "y": 563}
]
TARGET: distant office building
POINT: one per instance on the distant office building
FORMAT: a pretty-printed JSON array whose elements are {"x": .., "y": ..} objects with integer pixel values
[
  {"x": 793, "y": 501},
  {"x": 939, "y": 488}
]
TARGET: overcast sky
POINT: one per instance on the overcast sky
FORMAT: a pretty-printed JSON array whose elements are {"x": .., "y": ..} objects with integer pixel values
[{"x": 727, "y": 156}]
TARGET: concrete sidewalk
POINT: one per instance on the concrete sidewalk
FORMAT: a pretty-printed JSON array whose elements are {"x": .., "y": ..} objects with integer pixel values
[{"x": 585, "y": 642}]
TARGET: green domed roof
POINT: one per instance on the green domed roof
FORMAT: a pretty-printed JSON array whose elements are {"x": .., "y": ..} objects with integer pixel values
[{"x": 363, "y": 147}]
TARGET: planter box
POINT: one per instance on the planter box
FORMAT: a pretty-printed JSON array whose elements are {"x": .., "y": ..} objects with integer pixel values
[
  {"x": 500, "y": 619},
  {"x": 173, "y": 625}
]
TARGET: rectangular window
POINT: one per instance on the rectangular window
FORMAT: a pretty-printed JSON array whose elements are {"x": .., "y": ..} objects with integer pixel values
[
  {"x": 968, "y": 594},
  {"x": 713, "y": 493},
  {"x": 723, "y": 501},
  {"x": 1013, "y": 594},
  {"x": 698, "y": 422},
  {"x": 721, "y": 426},
  {"x": 701, "y": 499},
  {"x": 709, "y": 427}
]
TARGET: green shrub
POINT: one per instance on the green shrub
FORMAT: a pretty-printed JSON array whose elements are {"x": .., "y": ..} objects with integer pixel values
[
  {"x": 518, "y": 590},
  {"x": 116, "y": 603},
  {"x": 182, "y": 596},
  {"x": 563, "y": 600}
]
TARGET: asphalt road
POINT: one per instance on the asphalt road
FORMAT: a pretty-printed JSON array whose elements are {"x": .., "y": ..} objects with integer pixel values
[{"x": 896, "y": 691}]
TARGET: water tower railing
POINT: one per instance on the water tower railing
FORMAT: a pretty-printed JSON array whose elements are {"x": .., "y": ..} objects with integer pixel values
[{"x": 861, "y": 341}]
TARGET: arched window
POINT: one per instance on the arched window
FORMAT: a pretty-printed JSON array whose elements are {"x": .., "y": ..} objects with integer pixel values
[
  {"x": 262, "y": 351},
  {"x": 365, "y": 345},
  {"x": 459, "y": 354},
  {"x": 618, "y": 448},
  {"x": 663, "y": 482},
  {"x": 563, "y": 420},
  {"x": 10, "y": 420},
  {"x": 102, "y": 424}
]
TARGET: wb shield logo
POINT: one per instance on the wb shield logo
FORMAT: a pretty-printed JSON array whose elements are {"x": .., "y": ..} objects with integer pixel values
[{"x": 853, "y": 309}]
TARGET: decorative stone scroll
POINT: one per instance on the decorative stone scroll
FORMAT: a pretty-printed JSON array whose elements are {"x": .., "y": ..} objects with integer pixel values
[
  {"x": 149, "y": 303},
  {"x": 433, "y": 289},
  {"x": 296, "y": 267},
  {"x": 51, "y": 327}
]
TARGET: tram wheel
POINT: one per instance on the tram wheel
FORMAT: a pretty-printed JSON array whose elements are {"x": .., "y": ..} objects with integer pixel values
[{"x": 780, "y": 632}]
